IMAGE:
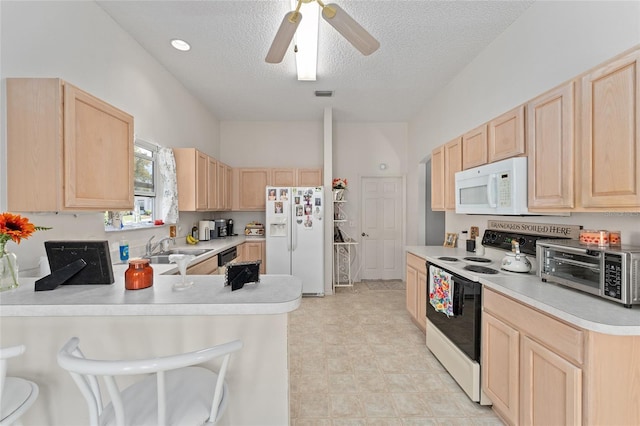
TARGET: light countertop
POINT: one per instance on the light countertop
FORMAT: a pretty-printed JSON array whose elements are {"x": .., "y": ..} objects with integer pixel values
[{"x": 575, "y": 307}]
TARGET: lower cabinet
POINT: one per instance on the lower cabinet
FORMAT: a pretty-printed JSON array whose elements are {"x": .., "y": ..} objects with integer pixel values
[
  {"x": 417, "y": 290},
  {"x": 539, "y": 370},
  {"x": 206, "y": 267},
  {"x": 255, "y": 250}
]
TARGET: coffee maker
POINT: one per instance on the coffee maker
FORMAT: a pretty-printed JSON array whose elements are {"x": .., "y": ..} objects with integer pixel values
[
  {"x": 230, "y": 227},
  {"x": 220, "y": 230}
]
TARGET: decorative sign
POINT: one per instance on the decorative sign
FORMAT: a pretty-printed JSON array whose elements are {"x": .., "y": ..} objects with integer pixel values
[{"x": 548, "y": 229}]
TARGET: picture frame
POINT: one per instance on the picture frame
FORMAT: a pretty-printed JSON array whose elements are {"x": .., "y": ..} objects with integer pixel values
[{"x": 450, "y": 239}]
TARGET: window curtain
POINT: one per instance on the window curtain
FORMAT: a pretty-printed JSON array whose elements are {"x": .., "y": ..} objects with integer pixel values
[{"x": 168, "y": 186}]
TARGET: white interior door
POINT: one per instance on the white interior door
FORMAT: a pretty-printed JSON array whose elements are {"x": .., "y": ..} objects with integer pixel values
[{"x": 382, "y": 213}]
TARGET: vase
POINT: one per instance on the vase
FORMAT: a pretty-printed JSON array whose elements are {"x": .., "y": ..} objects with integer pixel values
[
  {"x": 338, "y": 194},
  {"x": 8, "y": 270}
]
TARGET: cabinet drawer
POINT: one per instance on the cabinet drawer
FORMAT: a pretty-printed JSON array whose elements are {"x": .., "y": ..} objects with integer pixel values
[
  {"x": 416, "y": 262},
  {"x": 206, "y": 267},
  {"x": 562, "y": 338}
]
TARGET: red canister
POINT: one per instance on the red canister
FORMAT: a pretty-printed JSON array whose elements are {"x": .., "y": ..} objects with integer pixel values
[{"x": 139, "y": 275}]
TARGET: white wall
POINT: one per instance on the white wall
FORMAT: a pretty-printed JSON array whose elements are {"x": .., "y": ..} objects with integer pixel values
[
  {"x": 549, "y": 44},
  {"x": 358, "y": 149},
  {"x": 78, "y": 42}
]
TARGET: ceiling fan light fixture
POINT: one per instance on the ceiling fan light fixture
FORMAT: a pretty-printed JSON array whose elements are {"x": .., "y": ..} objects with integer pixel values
[
  {"x": 349, "y": 28},
  {"x": 283, "y": 37}
]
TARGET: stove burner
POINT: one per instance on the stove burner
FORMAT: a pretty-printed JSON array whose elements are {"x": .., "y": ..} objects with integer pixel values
[
  {"x": 481, "y": 269},
  {"x": 448, "y": 259},
  {"x": 477, "y": 259}
]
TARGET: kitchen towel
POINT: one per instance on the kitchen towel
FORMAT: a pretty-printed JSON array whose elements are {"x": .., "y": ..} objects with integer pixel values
[
  {"x": 168, "y": 186},
  {"x": 441, "y": 290}
]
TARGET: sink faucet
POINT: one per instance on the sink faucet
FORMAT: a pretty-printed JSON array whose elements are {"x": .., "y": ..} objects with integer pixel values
[{"x": 150, "y": 248}]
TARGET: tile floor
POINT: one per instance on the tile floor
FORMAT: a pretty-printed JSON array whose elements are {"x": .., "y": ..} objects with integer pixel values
[{"x": 357, "y": 359}]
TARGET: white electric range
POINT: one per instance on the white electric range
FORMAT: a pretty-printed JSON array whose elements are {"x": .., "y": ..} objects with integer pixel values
[{"x": 455, "y": 339}]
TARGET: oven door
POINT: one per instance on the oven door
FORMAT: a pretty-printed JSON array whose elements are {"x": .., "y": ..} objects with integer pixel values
[
  {"x": 462, "y": 328},
  {"x": 578, "y": 269}
]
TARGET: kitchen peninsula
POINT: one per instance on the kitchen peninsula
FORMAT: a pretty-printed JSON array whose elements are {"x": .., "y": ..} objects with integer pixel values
[{"x": 114, "y": 323}]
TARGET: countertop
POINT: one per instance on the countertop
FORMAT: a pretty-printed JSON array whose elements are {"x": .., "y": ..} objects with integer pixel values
[
  {"x": 575, "y": 307},
  {"x": 274, "y": 294}
]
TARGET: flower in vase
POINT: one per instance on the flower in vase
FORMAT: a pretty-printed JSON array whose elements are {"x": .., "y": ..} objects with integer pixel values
[
  {"x": 339, "y": 183},
  {"x": 14, "y": 228}
]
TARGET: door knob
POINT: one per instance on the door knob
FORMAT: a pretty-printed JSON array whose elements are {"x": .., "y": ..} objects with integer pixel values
[{"x": 365, "y": 235}]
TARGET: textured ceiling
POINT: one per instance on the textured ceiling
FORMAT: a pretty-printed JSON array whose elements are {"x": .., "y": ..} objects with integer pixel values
[{"x": 423, "y": 44}]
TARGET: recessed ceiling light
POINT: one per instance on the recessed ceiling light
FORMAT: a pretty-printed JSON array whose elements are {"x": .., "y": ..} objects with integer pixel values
[{"x": 180, "y": 44}]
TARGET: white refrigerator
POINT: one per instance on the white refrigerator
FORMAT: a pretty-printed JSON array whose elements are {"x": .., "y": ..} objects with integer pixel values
[{"x": 294, "y": 232}]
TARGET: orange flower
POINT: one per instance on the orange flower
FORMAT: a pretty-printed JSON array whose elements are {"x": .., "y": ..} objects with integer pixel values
[{"x": 15, "y": 227}]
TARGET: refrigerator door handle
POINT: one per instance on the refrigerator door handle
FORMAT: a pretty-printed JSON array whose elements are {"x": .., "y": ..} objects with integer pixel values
[{"x": 294, "y": 237}]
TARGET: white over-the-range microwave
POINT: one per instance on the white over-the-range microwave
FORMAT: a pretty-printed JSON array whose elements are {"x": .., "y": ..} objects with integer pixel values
[{"x": 498, "y": 188}]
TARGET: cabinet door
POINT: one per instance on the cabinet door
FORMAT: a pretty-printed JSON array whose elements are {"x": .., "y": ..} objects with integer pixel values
[
  {"x": 228, "y": 188},
  {"x": 474, "y": 147},
  {"x": 500, "y": 366},
  {"x": 206, "y": 267},
  {"x": 506, "y": 135},
  {"x": 610, "y": 137},
  {"x": 242, "y": 257},
  {"x": 308, "y": 177},
  {"x": 551, "y": 387},
  {"x": 212, "y": 184},
  {"x": 283, "y": 177},
  {"x": 550, "y": 140},
  {"x": 252, "y": 184},
  {"x": 412, "y": 292},
  {"x": 202, "y": 178},
  {"x": 437, "y": 179},
  {"x": 255, "y": 251},
  {"x": 421, "y": 301},
  {"x": 453, "y": 164}
]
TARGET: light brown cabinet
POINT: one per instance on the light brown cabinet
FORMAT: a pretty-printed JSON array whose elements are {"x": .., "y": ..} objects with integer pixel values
[
  {"x": 506, "y": 135},
  {"x": 474, "y": 147},
  {"x": 453, "y": 164},
  {"x": 213, "y": 184},
  {"x": 610, "y": 135},
  {"x": 206, "y": 267},
  {"x": 252, "y": 184},
  {"x": 68, "y": 150},
  {"x": 296, "y": 177},
  {"x": 224, "y": 187},
  {"x": 437, "y": 179},
  {"x": 551, "y": 147},
  {"x": 416, "y": 296},
  {"x": 539, "y": 370},
  {"x": 255, "y": 250},
  {"x": 193, "y": 179}
]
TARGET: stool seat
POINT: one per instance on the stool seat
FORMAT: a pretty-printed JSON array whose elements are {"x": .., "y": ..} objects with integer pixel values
[{"x": 16, "y": 394}]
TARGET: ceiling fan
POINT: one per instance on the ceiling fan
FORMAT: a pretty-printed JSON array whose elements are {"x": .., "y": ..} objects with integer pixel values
[{"x": 334, "y": 15}]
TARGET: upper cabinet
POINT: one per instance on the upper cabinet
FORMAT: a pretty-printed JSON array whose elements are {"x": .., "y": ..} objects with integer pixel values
[
  {"x": 252, "y": 183},
  {"x": 506, "y": 135},
  {"x": 550, "y": 140},
  {"x": 296, "y": 177},
  {"x": 213, "y": 184},
  {"x": 192, "y": 170},
  {"x": 610, "y": 135},
  {"x": 474, "y": 148},
  {"x": 68, "y": 150},
  {"x": 437, "y": 179},
  {"x": 453, "y": 164}
]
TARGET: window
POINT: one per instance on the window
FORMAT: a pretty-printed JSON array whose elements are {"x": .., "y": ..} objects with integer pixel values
[{"x": 144, "y": 190}]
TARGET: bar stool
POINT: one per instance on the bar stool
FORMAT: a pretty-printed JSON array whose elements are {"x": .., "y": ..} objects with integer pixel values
[
  {"x": 16, "y": 394},
  {"x": 178, "y": 393}
]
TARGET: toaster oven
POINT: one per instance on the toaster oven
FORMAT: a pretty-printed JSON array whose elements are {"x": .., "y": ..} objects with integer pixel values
[{"x": 607, "y": 272}]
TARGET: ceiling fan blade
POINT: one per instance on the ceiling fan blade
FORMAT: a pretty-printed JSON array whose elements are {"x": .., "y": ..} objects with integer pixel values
[
  {"x": 350, "y": 29},
  {"x": 283, "y": 37}
]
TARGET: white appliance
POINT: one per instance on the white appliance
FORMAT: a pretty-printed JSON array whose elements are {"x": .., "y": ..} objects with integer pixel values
[
  {"x": 498, "y": 188},
  {"x": 294, "y": 232}
]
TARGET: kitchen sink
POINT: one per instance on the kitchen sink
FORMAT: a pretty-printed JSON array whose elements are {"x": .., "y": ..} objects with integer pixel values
[{"x": 163, "y": 258}]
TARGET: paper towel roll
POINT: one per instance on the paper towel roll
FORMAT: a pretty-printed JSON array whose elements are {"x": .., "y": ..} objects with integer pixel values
[
  {"x": 44, "y": 266},
  {"x": 479, "y": 247}
]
